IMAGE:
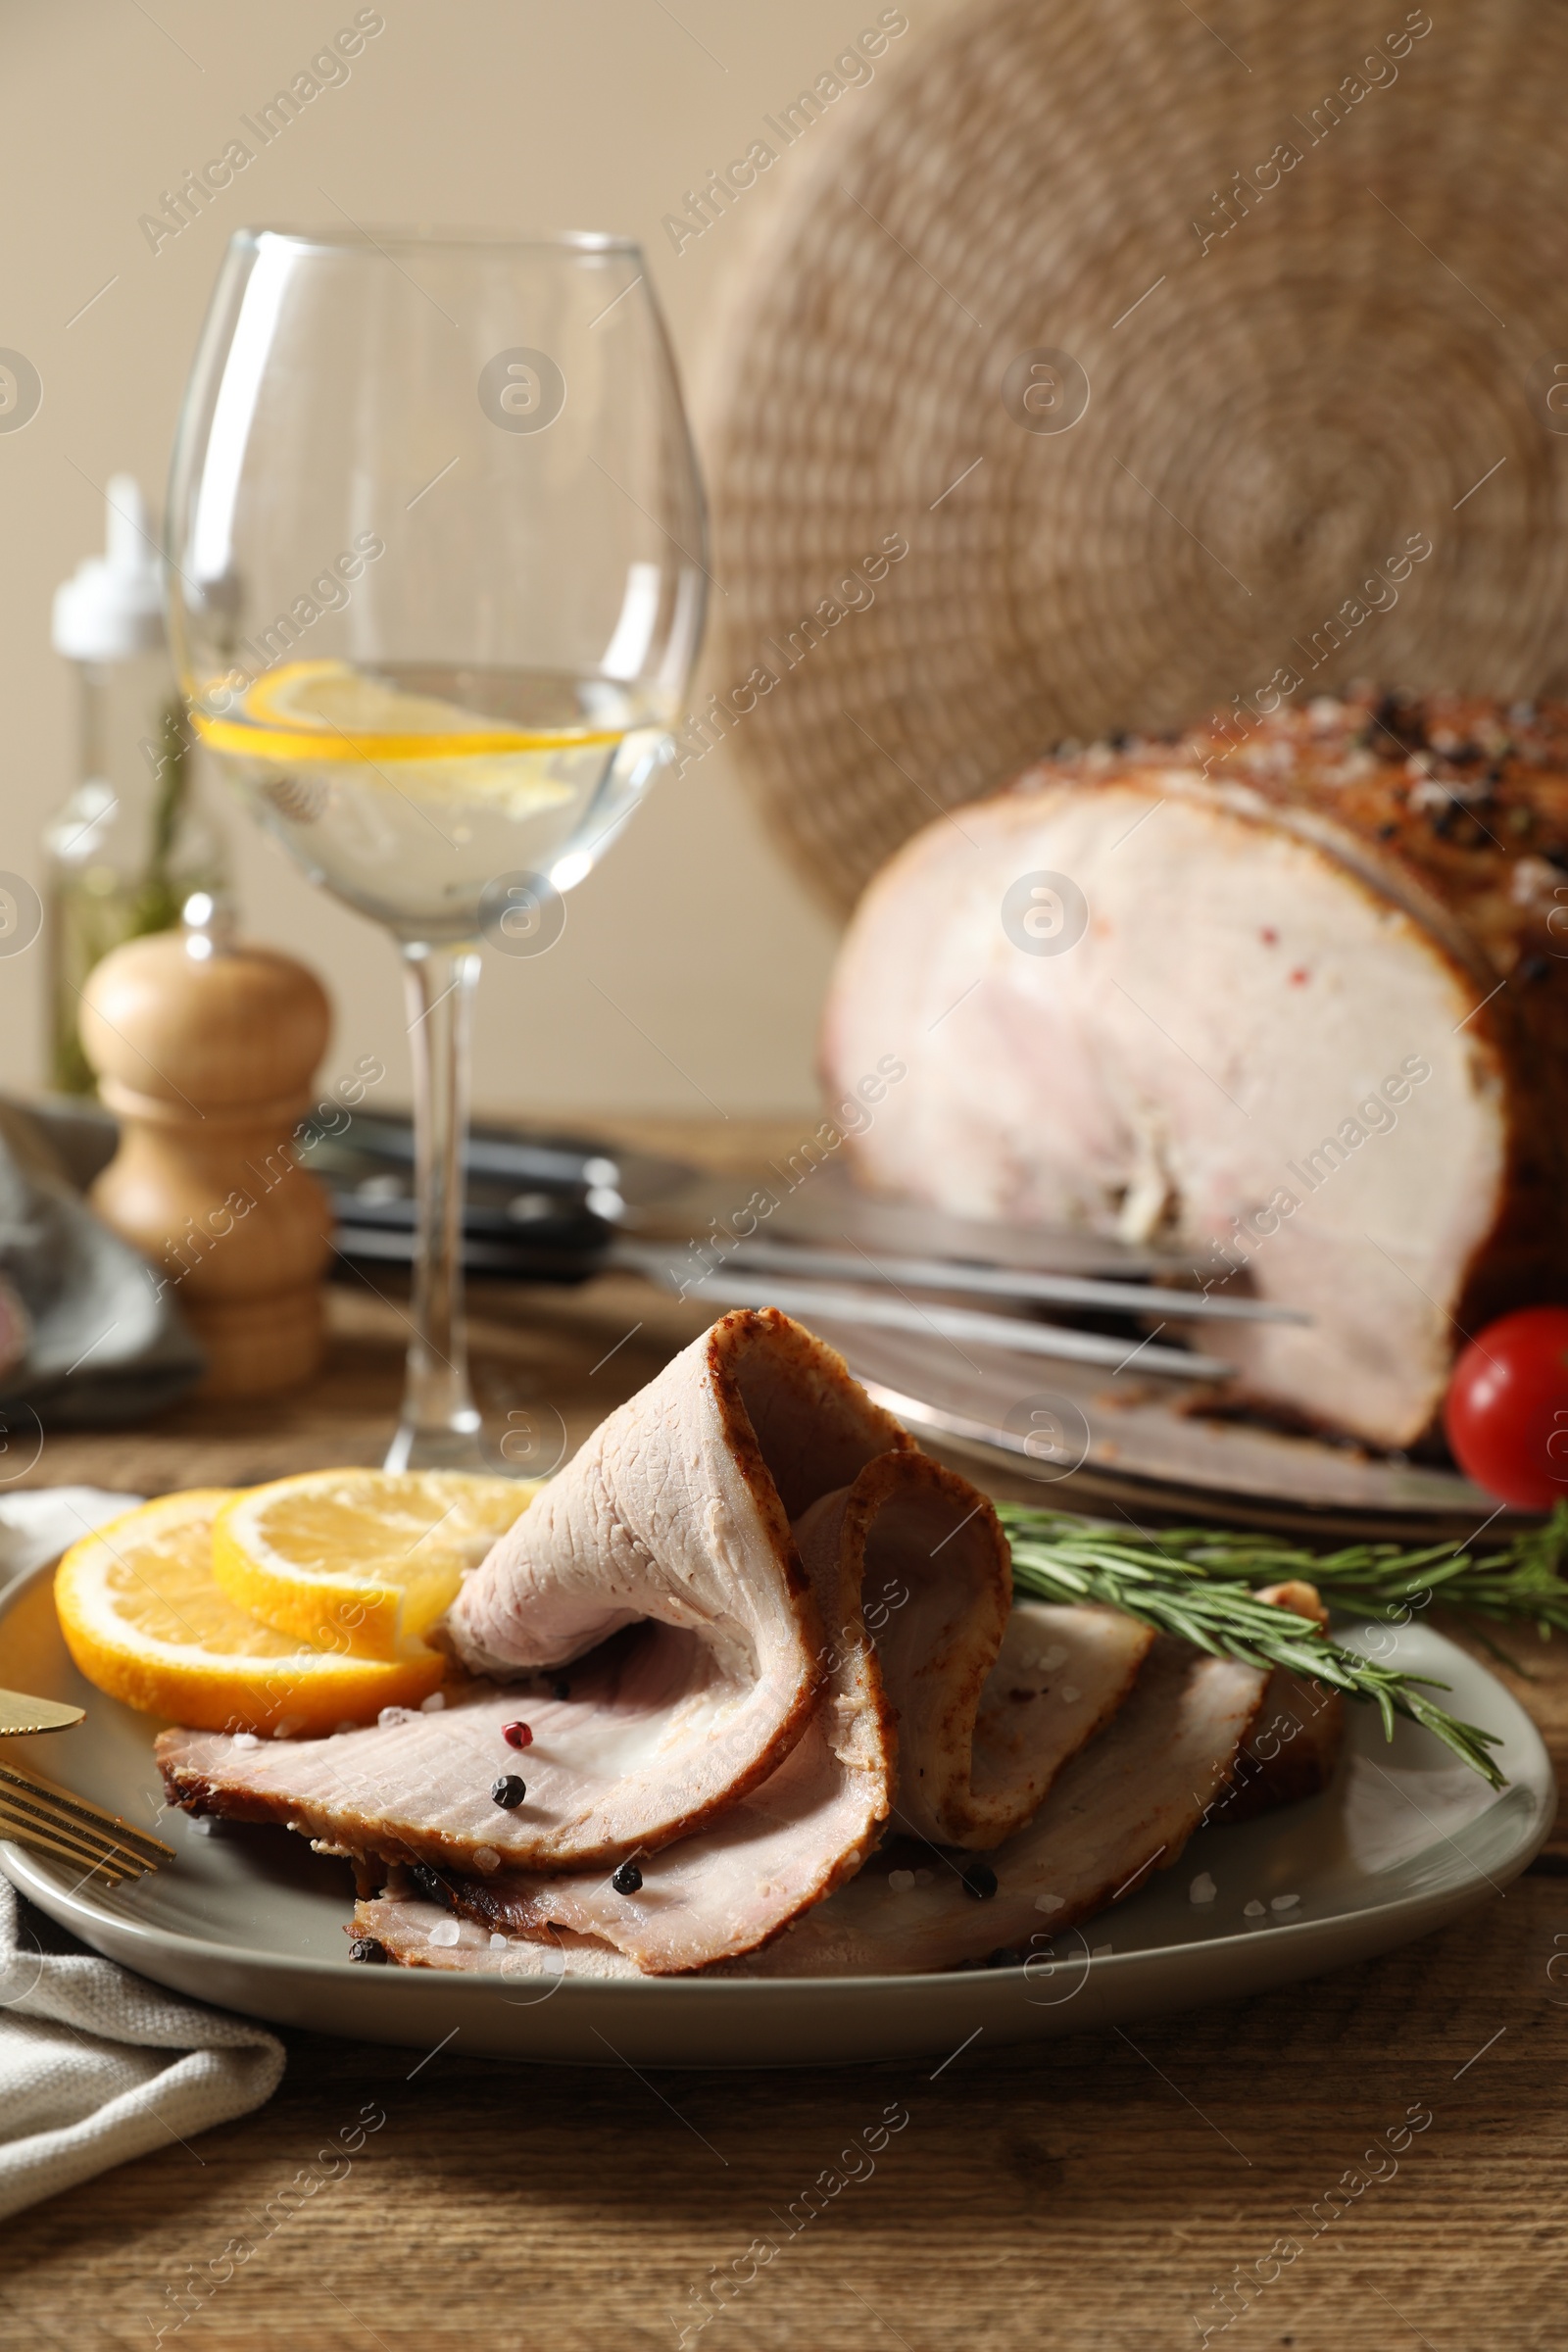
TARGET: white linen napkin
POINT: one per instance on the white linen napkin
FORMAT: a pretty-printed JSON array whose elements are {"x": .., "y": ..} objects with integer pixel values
[{"x": 96, "y": 2065}]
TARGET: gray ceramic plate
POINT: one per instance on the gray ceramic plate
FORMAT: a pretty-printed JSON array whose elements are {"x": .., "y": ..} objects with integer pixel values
[{"x": 251, "y": 1919}]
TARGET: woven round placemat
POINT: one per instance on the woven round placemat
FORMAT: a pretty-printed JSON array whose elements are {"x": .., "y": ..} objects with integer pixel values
[{"x": 1165, "y": 343}]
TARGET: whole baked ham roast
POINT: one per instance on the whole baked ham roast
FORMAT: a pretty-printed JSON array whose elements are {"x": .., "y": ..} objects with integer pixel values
[{"x": 1291, "y": 994}]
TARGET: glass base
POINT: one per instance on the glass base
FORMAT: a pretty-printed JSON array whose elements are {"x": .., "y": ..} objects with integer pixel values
[{"x": 438, "y": 1447}]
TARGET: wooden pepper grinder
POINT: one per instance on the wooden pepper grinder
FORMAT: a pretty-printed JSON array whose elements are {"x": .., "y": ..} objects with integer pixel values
[{"x": 204, "y": 1050}]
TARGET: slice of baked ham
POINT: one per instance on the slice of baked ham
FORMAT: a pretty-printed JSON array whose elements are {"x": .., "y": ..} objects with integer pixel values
[
  {"x": 1311, "y": 1023},
  {"x": 781, "y": 1847},
  {"x": 1124, "y": 1807},
  {"x": 615, "y": 1764},
  {"x": 676, "y": 1515},
  {"x": 678, "y": 1509},
  {"x": 421, "y": 1935},
  {"x": 1294, "y": 1745},
  {"x": 926, "y": 1550}
]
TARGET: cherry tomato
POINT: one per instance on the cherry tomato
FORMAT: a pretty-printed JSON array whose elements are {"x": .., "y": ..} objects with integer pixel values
[{"x": 1506, "y": 1414}]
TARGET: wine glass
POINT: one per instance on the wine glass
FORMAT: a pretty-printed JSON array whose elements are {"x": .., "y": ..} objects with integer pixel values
[{"x": 436, "y": 572}]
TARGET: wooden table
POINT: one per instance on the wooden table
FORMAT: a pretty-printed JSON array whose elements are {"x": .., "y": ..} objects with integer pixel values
[{"x": 1090, "y": 2194}]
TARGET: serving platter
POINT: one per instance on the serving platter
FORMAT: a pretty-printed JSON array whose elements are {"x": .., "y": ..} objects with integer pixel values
[
  {"x": 1082, "y": 1440},
  {"x": 1084, "y": 1436},
  {"x": 250, "y": 1919}
]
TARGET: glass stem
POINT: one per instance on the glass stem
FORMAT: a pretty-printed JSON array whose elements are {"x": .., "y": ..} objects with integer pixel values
[{"x": 440, "y": 1426}]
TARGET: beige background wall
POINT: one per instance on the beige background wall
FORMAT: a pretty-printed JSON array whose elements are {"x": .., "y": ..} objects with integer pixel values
[{"x": 486, "y": 113}]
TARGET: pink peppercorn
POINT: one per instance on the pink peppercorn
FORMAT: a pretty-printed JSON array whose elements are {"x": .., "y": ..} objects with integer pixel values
[{"x": 516, "y": 1735}]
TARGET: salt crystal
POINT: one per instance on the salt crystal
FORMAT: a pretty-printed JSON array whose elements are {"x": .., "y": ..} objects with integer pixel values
[
  {"x": 1049, "y": 1902},
  {"x": 205, "y": 1825},
  {"x": 445, "y": 1930},
  {"x": 246, "y": 1739},
  {"x": 1099, "y": 1951},
  {"x": 1068, "y": 1692},
  {"x": 1203, "y": 1888},
  {"x": 498, "y": 1943},
  {"x": 391, "y": 1715},
  {"x": 434, "y": 1703},
  {"x": 1253, "y": 1910},
  {"x": 487, "y": 1858},
  {"x": 901, "y": 1881},
  {"x": 1285, "y": 1902}
]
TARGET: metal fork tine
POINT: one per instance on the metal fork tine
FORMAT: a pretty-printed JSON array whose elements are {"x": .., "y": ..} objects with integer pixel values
[
  {"x": 42, "y": 1814},
  {"x": 111, "y": 1869},
  {"x": 78, "y": 1813},
  {"x": 49, "y": 1839}
]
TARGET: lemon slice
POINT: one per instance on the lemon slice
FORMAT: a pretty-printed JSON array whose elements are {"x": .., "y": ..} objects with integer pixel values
[
  {"x": 363, "y": 1558},
  {"x": 329, "y": 710},
  {"x": 145, "y": 1622},
  {"x": 336, "y": 695}
]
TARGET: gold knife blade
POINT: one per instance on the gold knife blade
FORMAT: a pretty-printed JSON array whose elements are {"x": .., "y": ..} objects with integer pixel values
[{"x": 19, "y": 1715}]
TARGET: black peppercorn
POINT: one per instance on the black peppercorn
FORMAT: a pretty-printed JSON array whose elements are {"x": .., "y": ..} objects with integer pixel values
[
  {"x": 627, "y": 1879},
  {"x": 365, "y": 1947},
  {"x": 980, "y": 1881},
  {"x": 559, "y": 1688},
  {"x": 509, "y": 1791},
  {"x": 1005, "y": 1956},
  {"x": 430, "y": 1883},
  {"x": 1533, "y": 967}
]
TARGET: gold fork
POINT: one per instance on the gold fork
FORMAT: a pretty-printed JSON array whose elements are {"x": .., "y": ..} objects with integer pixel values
[{"x": 52, "y": 1820}]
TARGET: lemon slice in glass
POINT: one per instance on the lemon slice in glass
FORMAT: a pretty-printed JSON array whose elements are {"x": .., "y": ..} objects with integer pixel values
[
  {"x": 328, "y": 714},
  {"x": 344, "y": 710}
]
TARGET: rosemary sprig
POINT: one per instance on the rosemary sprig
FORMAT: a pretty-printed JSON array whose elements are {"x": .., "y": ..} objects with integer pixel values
[
  {"x": 1199, "y": 1584},
  {"x": 1521, "y": 1581}
]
